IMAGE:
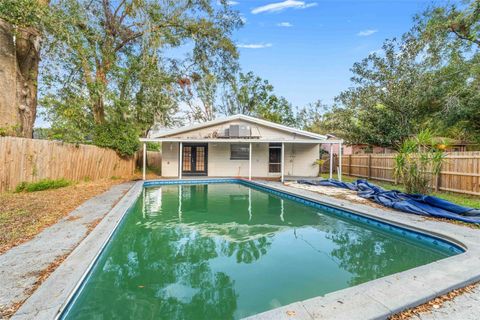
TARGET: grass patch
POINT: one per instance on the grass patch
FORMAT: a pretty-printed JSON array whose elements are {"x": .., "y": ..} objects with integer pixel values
[
  {"x": 458, "y": 198},
  {"x": 45, "y": 184},
  {"x": 25, "y": 214}
]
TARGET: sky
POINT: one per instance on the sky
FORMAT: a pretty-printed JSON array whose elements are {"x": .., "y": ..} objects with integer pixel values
[{"x": 306, "y": 48}]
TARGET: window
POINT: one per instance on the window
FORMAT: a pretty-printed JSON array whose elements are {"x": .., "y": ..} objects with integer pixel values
[
  {"x": 239, "y": 151},
  {"x": 275, "y": 157}
]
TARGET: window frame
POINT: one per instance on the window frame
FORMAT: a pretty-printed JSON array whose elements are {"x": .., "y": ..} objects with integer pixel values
[
  {"x": 275, "y": 167},
  {"x": 242, "y": 156}
]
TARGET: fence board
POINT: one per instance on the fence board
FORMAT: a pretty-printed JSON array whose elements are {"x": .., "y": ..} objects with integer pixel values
[
  {"x": 32, "y": 160},
  {"x": 460, "y": 171}
]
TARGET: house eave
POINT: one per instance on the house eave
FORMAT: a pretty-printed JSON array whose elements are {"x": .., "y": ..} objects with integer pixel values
[{"x": 208, "y": 140}]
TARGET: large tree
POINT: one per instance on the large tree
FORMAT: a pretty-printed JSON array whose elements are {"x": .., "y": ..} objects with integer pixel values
[
  {"x": 115, "y": 66},
  {"x": 428, "y": 79},
  {"x": 251, "y": 95},
  {"x": 392, "y": 97},
  {"x": 21, "y": 26},
  {"x": 450, "y": 36}
]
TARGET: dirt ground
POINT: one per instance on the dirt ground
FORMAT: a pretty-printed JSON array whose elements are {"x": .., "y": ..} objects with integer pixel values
[{"x": 25, "y": 214}]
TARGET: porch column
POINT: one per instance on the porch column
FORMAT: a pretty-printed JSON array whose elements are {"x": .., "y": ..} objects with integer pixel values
[
  {"x": 283, "y": 163},
  {"x": 144, "y": 160},
  {"x": 250, "y": 161},
  {"x": 331, "y": 160},
  {"x": 180, "y": 163},
  {"x": 340, "y": 161}
]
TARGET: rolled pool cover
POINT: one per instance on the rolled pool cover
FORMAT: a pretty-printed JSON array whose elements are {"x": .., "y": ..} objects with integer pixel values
[{"x": 412, "y": 203}]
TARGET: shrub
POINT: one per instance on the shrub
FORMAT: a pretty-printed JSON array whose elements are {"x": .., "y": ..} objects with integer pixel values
[
  {"x": 153, "y": 146},
  {"x": 118, "y": 136},
  {"x": 42, "y": 185},
  {"x": 21, "y": 187},
  {"x": 418, "y": 161},
  {"x": 320, "y": 163}
]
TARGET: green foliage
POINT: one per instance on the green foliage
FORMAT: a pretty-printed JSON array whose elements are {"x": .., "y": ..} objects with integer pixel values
[
  {"x": 450, "y": 28},
  {"x": 320, "y": 163},
  {"x": 42, "y": 185},
  {"x": 392, "y": 99},
  {"x": 107, "y": 73},
  {"x": 430, "y": 78},
  {"x": 315, "y": 117},
  {"x": 153, "y": 146},
  {"x": 200, "y": 93},
  {"x": 119, "y": 136},
  {"x": 8, "y": 131},
  {"x": 251, "y": 95},
  {"x": 418, "y": 161},
  {"x": 24, "y": 13},
  {"x": 450, "y": 36}
]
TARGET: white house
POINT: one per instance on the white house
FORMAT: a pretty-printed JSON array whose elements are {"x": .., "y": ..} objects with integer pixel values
[{"x": 239, "y": 146}]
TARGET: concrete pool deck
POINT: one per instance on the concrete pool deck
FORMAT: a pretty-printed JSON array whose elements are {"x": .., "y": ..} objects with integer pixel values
[
  {"x": 464, "y": 307},
  {"x": 21, "y": 266},
  {"x": 376, "y": 299}
]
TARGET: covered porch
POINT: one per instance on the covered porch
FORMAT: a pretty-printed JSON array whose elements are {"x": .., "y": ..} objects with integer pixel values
[{"x": 242, "y": 158}]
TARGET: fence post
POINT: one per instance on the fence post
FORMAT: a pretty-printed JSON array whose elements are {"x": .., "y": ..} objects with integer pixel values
[
  {"x": 349, "y": 164},
  {"x": 437, "y": 181},
  {"x": 369, "y": 166}
]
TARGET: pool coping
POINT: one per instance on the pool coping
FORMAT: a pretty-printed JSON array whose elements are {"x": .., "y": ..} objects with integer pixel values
[{"x": 376, "y": 299}]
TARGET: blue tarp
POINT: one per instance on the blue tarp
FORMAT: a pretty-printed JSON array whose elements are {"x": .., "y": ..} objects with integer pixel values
[{"x": 412, "y": 203}]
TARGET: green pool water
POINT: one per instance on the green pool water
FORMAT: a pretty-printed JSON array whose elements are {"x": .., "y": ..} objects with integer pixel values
[{"x": 226, "y": 251}]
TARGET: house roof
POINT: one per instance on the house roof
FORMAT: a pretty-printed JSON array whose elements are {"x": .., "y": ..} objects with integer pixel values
[
  {"x": 452, "y": 142},
  {"x": 243, "y": 117}
]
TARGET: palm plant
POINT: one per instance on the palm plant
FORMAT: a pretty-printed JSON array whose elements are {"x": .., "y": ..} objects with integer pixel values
[
  {"x": 418, "y": 161},
  {"x": 320, "y": 163}
]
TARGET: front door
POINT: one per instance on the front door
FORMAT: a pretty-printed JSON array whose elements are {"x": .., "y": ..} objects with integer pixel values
[{"x": 195, "y": 159}]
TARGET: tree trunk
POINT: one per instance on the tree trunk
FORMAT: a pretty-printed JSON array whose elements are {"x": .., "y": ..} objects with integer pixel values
[
  {"x": 9, "y": 116},
  {"x": 19, "y": 59},
  {"x": 28, "y": 57}
]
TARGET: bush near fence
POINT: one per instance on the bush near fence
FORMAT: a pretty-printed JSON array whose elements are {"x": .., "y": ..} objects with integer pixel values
[
  {"x": 30, "y": 160},
  {"x": 460, "y": 171}
]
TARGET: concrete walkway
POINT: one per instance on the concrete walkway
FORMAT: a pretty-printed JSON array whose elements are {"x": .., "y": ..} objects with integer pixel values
[
  {"x": 465, "y": 307},
  {"x": 21, "y": 265}
]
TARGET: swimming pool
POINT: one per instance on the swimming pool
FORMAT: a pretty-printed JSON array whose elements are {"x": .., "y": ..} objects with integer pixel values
[{"x": 232, "y": 249}]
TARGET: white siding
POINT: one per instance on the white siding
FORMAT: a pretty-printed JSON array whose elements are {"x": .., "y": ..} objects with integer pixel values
[
  {"x": 169, "y": 159},
  {"x": 299, "y": 159}
]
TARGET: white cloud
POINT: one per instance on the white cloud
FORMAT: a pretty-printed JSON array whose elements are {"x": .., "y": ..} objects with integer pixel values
[
  {"x": 284, "y": 24},
  {"x": 280, "y": 6},
  {"x": 366, "y": 33},
  {"x": 254, "y": 45}
]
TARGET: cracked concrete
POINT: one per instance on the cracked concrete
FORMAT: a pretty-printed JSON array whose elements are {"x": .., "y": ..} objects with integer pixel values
[{"x": 21, "y": 265}]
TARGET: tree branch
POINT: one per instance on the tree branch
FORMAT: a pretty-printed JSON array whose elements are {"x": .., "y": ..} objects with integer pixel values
[
  {"x": 138, "y": 34},
  {"x": 464, "y": 37}
]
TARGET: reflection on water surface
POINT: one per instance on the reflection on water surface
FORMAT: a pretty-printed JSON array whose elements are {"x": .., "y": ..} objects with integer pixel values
[{"x": 225, "y": 251}]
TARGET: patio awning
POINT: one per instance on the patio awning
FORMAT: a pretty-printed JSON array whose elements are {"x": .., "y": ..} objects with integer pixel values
[{"x": 240, "y": 140}]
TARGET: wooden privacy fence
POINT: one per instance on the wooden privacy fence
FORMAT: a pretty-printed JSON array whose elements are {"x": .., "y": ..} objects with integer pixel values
[
  {"x": 154, "y": 161},
  {"x": 32, "y": 160},
  {"x": 460, "y": 170}
]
